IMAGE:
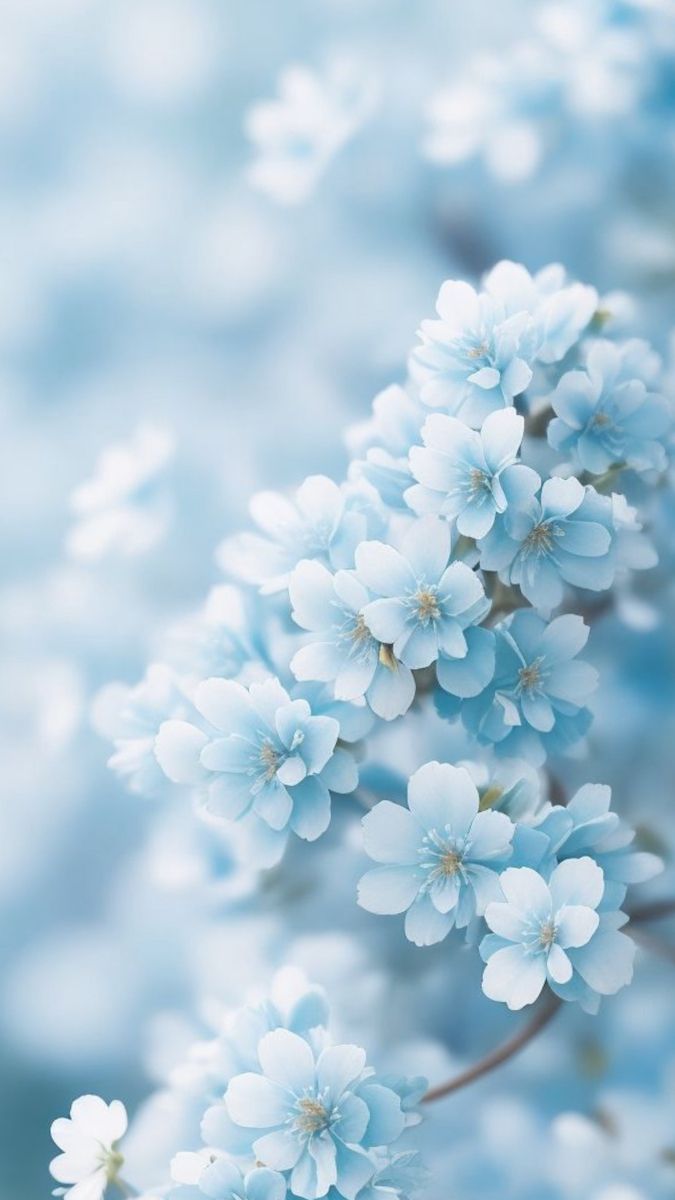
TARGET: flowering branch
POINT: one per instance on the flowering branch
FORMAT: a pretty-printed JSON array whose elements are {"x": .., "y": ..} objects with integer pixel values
[{"x": 547, "y": 1009}]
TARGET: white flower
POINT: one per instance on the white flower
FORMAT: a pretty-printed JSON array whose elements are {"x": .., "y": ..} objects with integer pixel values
[{"x": 88, "y": 1139}]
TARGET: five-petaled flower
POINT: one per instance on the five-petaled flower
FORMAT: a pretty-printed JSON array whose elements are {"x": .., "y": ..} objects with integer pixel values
[
  {"x": 606, "y": 415},
  {"x": 314, "y": 1116},
  {"x": 536, "y": 701},
  {"x": 265, "y": 760},
  {"x": 567, "y": 536},
  {"x": 344, "y": 651},
  {"x": 88, "y": 1139},
  {"x": 468, "y": 476},
  {"x": 441, "y": 857},
  {"x": 552, "y": 933},
  {"x": 426, "y": 606}
]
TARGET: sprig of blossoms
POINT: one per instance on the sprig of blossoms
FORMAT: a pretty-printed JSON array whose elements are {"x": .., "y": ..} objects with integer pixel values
[
  {"x": 285, "y": 1113},
  {"x": 432, "y": 578}
]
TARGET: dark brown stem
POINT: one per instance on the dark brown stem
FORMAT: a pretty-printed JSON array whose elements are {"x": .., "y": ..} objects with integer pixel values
[
  {"x": 548, "y": 1007},
  {"x": 545, "y": 1011}
]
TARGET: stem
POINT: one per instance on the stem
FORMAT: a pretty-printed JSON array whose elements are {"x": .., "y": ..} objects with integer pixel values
[
  {"x": 654, "y": 911},
  {"x": 548, "y": 1007},
  {"x": 545, "y": 1011}
]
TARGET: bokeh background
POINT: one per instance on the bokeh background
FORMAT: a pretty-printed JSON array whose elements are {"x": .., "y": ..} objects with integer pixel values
[{"x": 151, "y": 288}]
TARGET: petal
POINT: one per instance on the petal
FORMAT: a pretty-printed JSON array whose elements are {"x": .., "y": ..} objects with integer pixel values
[
  {"x": 558, "y": 965},
  {"x": 312, "y": 596},
  {"x": 424, "y": 924},
  {"x": 287, "y": 1059},
  {"x": 575, "y": 924},
  {"x": 387, "y": 619},
  {"x": 506, "y": 921},
  {"x": 279, "y": 1150},
  {"x": 468, "y": 676},
  {"x": 391, "y": 692},
  {"x": 527, "y": 892},
  {"x": 513, "y": 977},
  {"x": 391, "y": 834},
  {"x": 427, "y": 548},
  {"x": 441, "y": 795},
  {"x": 224, "y": 703},
  {"x": 606, "y": 962},
  {"x": 354, "y": 1170},
  {"x": 354, "y": 1118},
  {"x": 263, "y": 1184},
  {"x": 311, "y": 808},
  {"x": 386, "y": 1119},
  {"x": 501, "y": 434},
  {"x": 577, "y": 881},
  {"x": 256, "y": 1102},
  {"x": 178, "y": 747},
  {"x": 388, "y": 890},
  {"x": 383, "y": 569},
  {"x": 320, "y": 660},
  {"x": 337, "y": 1067}
]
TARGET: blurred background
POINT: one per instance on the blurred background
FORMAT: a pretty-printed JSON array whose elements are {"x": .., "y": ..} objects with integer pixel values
[{"x": 213, "y": 290}]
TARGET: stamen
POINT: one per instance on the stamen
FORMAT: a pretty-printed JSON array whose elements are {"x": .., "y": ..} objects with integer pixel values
[
  {"x": 547, "y": 934},
  {"x": 529, "y": 676},
  {"x": 540, "y": 537},
  {"x": 313, "y": 1116},
  {"x": 269, "y": 758},
  {"x": 427, "y": 605}
]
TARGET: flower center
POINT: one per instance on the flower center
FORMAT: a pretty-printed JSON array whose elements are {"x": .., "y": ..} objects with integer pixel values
[
  {"x": 269, "y": 758},
  {"x": 529, "y": 676},
  {"x": 547, "y": 934},
  {"x": 478, "y": 351},
  {"x": 312, "y": 1116},
  {"x": 478, "y": 481},
  {"x": 540, "y": 537},
  {"x": 449, "y": 864},
  {"x": 112, "y": 1161},
  {"x": 359, "y": 632},
  {"x": 600, "y": 420},
  {"x": 427, "y": 605}
]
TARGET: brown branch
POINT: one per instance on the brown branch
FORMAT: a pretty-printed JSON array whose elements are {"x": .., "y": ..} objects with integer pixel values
[
  {"x": 548, "y": 1007},
  {"x": 544, "y": 1012}
]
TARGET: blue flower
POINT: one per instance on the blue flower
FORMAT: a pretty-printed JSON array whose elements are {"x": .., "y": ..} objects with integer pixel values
[
  {"x": 204, "y": 1174},
  {"x": 470, "y": 361},
  {"x": 607, "y": 415},
  {"x": 535, "y": 702},
  {"x": 379, "y": 447},
  {"x": 565, "y": 537},
  {"x": 468, "y": 476},
  {"x": 267, "y": 762},
  {"x": 441, "y": 856},
  {"x": 427, "y": 606},
  {"x": 131, "y": 716},
  {"x": 559, "y": 311},
  {"x": 314, "y": 1116},
  {"x": 587, "y": 826},
  {"x": 344, "y": 650},
  {"x": 552, "y": 933},
  {"x": 326, "y": 522}
]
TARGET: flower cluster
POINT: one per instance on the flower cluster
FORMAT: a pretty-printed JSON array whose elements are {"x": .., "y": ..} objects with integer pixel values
[
  {"x": 285, "y": 1114},
  {"x": 440, "y": 575}
]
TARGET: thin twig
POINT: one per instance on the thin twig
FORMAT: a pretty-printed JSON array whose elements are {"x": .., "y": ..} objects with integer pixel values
[{"x": 547, "y": 1009}]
